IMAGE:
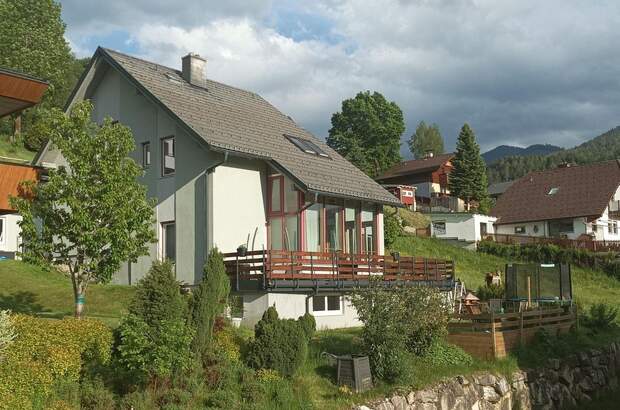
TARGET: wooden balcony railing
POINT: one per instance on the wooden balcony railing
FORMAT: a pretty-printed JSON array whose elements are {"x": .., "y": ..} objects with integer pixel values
[
  {"x": 591, "y": 245},
  {"x": 271, "y": 269}
]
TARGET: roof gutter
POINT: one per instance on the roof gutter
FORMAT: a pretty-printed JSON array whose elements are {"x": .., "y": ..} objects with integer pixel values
[
  {"x": 211, "y": 169},
  {"x": 396, "y": 203}
]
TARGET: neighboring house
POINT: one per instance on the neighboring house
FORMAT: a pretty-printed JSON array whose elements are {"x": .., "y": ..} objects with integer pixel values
[
  {"x": 462, "y": 226},
  {"x": 569, "y": 201},
  {"x": 227, "y": 169},
  {"x": 11, "y": 176},
  {"x": 404, "y": 193},
  {"x": 496, "y": 190},
  {"x": 17, "y": 93},
  {"x": 429, "y": 176}
]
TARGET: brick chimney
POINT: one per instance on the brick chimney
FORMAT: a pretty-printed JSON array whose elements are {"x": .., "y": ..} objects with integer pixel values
[{"x": 194, "y": 69}]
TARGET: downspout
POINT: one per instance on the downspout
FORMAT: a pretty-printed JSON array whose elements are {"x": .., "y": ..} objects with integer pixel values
[{"x": 209, "y": 199}]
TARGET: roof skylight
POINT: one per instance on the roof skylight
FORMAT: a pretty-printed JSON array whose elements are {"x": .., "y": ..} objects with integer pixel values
[
  {"x": 307, "y": 146},
  {"x": 553, "y": 191}
]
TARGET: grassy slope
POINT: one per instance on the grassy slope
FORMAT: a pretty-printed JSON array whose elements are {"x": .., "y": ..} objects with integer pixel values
[
  {"x": 588, "y": 286},
  {"x": 29, "y": 289},
  {"x": 7, "y": 151}
]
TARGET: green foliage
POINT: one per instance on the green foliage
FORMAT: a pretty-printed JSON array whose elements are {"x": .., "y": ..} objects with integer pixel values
[
  {"x": 604, "y": 147},
  {"x": 392, "y": 229},
  {"x": 154, "y": 340},
  {"x": 487, "y": 292},
  {"x": 468, "y": 178},
  {"x": 158, "y": 296},
  {"x": 367, "y": 132},
  {"x": 209, "y": 302},
  {"x": 95, "y": 396},
  {"x": 279, "y": 344},
  {"x": 46, "y": 353},
  {"x": 308, "y": 325},
  {"x": 7, "y": 332},
  {"x": 441, "y": 353},
  {"x": 94, "y": 216},
  {"x": 426, "y": 138},
  {"x": 601, "y": 316},
  {"x": 396, "y": 321}
]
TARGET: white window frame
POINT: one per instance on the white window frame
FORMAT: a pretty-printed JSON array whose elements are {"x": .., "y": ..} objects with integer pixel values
[
  {"x": 520, "y": 229},
  {"x": 162, "y": 242},
  {"x": 163, "y": 155},
  {"x": 326, "y": 312}
]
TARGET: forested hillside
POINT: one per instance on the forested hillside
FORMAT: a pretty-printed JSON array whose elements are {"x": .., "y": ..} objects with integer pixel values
[
  {"x": 504, "y": 151},
  {"x": 604, "y": 147}
]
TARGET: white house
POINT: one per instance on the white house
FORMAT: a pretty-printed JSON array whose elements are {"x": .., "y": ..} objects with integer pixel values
[
  {"x": 227, "y": 169},
  {"x": 462, "y": 226},
  {"x": 574, "y": 202}
]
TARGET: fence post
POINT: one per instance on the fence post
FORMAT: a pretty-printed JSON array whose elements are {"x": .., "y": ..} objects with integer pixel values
[
  {"x": 521, "y": 327},
  {"x": 493, "y": 334}
]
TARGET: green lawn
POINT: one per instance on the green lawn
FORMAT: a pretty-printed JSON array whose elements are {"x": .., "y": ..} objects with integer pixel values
[
  {"x": 29, "y": 289},
  {"x": 589, "y": 286},
  {"x": 9, "y": 151}
]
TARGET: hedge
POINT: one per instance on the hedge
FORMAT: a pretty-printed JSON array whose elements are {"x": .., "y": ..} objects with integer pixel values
[
  {"x": 545, "y": 253},
  {"x": 46, "y": 352}
]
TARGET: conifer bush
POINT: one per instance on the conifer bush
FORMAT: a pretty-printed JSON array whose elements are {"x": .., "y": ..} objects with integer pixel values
[
  {"x": 279, "y": 344},
  {"x": 154, "y": 337},
  {"x": 308, "y": 325},
  {"x": 209, "y": 302}
]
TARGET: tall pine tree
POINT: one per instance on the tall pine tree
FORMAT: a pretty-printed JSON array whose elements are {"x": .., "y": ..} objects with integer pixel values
[{"x": 468, "y": 178}]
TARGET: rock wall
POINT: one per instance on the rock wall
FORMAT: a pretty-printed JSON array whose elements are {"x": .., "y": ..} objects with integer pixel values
[{"x": 560, "y": 384}]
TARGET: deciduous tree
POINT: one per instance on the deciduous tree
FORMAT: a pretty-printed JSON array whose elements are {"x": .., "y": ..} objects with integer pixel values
[
  {"x": 91, "y": 215},
  {"x": 367, "y": 132},
  {"x": 426, "y": 138}
]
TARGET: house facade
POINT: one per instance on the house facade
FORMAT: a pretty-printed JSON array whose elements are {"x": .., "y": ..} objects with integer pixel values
[
  {"x": 429, "y": 176},
  {"x": 573, "y": 202},
  {"x": 228, "y": 170},
  {"x": 462, "y": 226}
]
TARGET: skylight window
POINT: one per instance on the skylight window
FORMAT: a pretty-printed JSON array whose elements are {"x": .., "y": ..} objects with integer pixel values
[
  {"x": 553, "y": 191},
  {"x": 307, "y": 146}
]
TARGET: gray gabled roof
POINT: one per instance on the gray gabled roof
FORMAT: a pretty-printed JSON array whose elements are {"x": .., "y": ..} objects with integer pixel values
[{"x": 239, "y": 121}]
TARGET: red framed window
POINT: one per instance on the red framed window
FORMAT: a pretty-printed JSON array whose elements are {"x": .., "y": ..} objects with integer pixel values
[{"x": 284, "y": 206}]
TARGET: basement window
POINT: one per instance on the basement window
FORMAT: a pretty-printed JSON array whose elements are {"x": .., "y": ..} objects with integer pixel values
[
  {"x": 307, "y": 146},
  {"x": 326, "y": 305}
]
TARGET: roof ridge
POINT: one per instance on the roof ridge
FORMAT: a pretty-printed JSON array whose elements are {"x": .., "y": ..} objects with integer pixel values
[{"x": 108, "y": 50}]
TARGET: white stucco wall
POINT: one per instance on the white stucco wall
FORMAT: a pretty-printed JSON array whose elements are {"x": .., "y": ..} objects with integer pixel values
[
  {"x": 462, "y": 226},
  {"x": 541, "y": 228},
  {"x": 239, "y": 194},
  {"x": 10, "y": 240},
  {"x": 293, "y": 305}
]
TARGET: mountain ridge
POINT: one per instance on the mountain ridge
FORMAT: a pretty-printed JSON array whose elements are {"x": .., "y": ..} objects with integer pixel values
[{"x": 502, "y": 151}]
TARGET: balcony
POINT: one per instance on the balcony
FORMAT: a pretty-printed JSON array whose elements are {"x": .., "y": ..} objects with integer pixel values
[{"x": 299, "y": 271}]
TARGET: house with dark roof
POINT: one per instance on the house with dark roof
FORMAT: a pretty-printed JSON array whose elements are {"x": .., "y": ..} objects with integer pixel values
[
  {"x": 297, "y": 222},
  {"x": 429, "y": 176},
  {"x": 569, "y": 201}
]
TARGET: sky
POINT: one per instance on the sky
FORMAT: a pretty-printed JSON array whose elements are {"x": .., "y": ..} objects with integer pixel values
[{"x": 519, "y": 72}]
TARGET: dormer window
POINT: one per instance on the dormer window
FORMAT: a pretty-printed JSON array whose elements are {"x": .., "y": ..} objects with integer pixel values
[
  {"x": 553, "y": 191},
  {"x": 307, "y": 146}
]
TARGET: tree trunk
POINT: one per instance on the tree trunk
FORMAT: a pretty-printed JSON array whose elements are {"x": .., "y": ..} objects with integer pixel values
[
  {"x": 17, "y": 128},
  {"x": 79, "y": 292}
]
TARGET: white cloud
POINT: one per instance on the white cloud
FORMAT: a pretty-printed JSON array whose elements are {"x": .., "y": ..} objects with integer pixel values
[{"x": 520, "y": 72}]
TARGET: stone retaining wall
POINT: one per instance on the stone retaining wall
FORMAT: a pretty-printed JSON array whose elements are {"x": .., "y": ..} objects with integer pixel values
[{"x": 560, "y": 384}]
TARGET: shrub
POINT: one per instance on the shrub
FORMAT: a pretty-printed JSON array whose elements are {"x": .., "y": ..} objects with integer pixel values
[
  {"x": 398, "y": 320},
  {"x": 441, "y": 353},
  {"x": 487, "y": 292},
  {"x": 154, "y": 340},
  {"x": 392, "y": 229},
  {"x": 158, "y": 296},
  {"x": 601, "y": 316},
  {"x": 308, "y": 325},
  {"x": 208, "y": 302},
  {"x": 46, "y": 353},
  {"x": 95, "y": 396},
  {"x": 279, "y": 344},
  {"x": 7, "y": 332}
]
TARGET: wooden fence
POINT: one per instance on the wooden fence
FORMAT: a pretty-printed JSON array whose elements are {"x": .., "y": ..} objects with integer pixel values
[
  {"x": 591, "y": 245},
  {"x": 494, "y": 335}
]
